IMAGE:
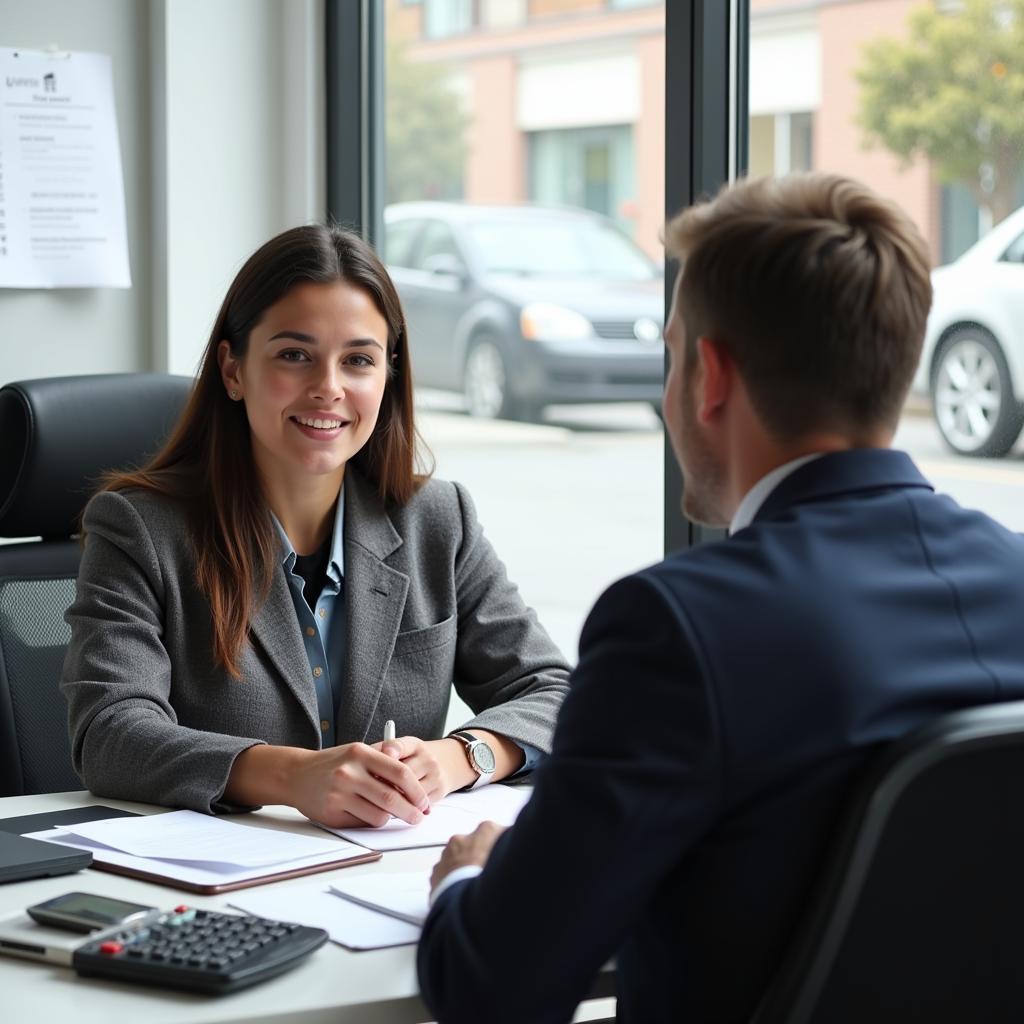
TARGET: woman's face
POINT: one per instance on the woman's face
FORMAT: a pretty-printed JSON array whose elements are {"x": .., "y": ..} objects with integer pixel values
[{"x": 312, "y": 380}]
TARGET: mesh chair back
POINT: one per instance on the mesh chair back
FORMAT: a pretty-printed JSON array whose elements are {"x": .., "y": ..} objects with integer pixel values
[
  {"x": 920, "y": 909},
  {"x": 34, "y": 754}
]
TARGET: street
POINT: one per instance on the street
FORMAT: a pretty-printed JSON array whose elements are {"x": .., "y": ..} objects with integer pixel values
[{"x": 576, "y": 502}]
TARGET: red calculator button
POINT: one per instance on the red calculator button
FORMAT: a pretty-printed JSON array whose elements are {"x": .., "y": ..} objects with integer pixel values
[
  {"x": 111, "y": 947},
  {"x": 180, "y": 908}
]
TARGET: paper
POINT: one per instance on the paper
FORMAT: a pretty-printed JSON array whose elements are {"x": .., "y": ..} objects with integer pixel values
[
  {"x": 347, "y": 923},
  {"x": 404, "y": 895},
  {"x": 190, "y": 836},
  {"x": 62, "y": 213},
  {"x": 456, "y": 814},
  {"x": 197, "y": 873}
]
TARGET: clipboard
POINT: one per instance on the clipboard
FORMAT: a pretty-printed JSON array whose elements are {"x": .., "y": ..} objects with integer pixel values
[
  {"x": 212, "y": 890},
  {"x": 207, "y": 875}
]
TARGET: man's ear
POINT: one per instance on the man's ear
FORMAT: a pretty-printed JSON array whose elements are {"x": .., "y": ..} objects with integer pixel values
[{"x": 718, "y": 378}]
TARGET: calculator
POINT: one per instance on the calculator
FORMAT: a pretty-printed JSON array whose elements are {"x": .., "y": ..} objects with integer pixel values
[{"x": 198, "y": 950}]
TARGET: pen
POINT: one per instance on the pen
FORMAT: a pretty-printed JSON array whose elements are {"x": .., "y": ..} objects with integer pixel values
[{"x": 389, "y": 730}]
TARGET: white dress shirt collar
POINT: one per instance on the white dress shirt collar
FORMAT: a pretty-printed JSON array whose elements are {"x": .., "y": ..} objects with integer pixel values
[{"x": 758, "y": 494}]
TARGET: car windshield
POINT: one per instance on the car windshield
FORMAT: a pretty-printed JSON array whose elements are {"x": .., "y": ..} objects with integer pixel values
[{"x": 559, "y": 248}]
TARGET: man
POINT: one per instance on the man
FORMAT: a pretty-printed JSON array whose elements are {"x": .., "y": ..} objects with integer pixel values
[{"x": 725, "y": 699}]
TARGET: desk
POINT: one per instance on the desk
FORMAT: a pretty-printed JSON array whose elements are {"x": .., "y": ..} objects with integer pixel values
[{"x": 334, "y": 985}]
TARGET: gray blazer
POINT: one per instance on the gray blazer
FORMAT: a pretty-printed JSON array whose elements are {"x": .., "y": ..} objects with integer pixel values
[{"x": 427, "y": 603}]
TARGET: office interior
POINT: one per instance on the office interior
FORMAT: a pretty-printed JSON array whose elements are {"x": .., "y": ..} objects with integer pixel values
[{"x": 240, "y": 118}]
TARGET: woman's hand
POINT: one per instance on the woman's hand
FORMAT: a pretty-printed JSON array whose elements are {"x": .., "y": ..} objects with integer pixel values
[
  {"x": 343, "y": 787},
  {"x": 440, "y": 766}
]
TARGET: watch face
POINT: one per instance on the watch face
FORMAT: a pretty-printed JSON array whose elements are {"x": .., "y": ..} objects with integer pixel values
[{"x": 483, "y": 757}]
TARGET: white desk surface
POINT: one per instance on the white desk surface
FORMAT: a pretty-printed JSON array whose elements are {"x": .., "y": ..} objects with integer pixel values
[{"x": 334, "y": 985}]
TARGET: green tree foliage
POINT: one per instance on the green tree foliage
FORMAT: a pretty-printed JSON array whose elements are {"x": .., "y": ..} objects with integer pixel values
[
  {"x": 953, "y": 92},
  {"x": 426, "y": 130}
]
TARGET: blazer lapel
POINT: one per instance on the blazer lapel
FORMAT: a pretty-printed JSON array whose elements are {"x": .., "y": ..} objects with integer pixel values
[
  {"x": 276, "y": 627},
  {"x": 374, "y": 602}
]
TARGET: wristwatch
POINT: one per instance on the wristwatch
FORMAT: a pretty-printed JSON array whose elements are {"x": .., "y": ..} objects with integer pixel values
[{"x": 481, "y": 758}]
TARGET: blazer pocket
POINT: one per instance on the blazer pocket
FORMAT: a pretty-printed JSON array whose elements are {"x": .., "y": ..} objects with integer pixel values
[{"x": 416, "y": 640}]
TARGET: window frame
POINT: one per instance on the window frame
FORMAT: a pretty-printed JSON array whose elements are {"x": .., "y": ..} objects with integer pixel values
[{"x": 707, "y": 46}]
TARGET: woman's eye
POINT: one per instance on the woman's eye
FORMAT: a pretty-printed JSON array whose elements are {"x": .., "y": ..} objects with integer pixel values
[
  {"x": 292, "y": 355},
  {"x": 360, "y": 361}
]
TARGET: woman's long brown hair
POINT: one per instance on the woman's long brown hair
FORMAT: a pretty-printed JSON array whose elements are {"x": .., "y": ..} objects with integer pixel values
[{"x": 206, "y": 463}]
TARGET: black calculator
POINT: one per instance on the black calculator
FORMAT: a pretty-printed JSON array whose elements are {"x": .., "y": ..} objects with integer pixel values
[{"x": 198, "y": 950}]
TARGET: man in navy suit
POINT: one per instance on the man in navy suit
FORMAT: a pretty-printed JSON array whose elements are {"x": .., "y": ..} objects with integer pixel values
[{"x": 725, "y": 698}]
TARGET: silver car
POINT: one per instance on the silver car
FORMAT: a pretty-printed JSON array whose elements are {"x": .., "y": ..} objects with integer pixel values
[{"x": 519, "y": 307}]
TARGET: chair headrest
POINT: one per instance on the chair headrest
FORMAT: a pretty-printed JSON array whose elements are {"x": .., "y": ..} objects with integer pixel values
[{"x": 59, "y": 435}]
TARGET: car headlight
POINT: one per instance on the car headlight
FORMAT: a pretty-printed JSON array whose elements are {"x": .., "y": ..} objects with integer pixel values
[{"x": 544, "y": 321}]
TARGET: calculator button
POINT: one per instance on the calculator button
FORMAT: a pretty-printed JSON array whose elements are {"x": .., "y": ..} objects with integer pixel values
[
  {"x": 111, "y": 947},
  {"x": 180, "y": 908}
]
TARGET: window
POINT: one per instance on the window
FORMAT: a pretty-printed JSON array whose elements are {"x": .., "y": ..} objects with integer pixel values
[
  {"x": 1015, "y": 252},
  {"x": 834, "y": 89},
  {"x": 524, "y": 296},
  {"x": 446, "y": 17},
  {"x": 588, "y": 167},
  {"x": 398, "y": 241},
  {"x": 437, "y": 240}
]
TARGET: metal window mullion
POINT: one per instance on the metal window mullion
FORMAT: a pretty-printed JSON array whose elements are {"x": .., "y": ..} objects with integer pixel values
[
  {"x": 706, "y": 46},
  {"x": 355, "y": 114}
]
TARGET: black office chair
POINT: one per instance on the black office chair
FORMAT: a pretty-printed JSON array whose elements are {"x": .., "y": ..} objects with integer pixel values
[
  {"x": 57, "y": 438},
  {"x": 919, "y": 915}
]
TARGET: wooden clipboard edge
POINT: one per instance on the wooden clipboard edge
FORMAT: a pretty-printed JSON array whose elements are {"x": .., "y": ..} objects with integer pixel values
[{"x": 246, "y": 883}]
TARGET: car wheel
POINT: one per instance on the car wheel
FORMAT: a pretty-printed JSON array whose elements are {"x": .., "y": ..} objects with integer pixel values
[
  {"x": 485, "y": 382},
  {"x": 972, "y": 395}
]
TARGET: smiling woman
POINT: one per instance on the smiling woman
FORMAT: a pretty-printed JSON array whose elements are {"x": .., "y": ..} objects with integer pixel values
[{"x": 278, "y": 582}]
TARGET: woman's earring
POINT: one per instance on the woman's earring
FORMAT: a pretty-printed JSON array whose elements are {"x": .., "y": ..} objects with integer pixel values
[{"x": 234, "y": 396}]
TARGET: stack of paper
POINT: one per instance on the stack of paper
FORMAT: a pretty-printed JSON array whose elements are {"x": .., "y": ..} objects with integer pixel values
[{"x": 202, "y": 853}]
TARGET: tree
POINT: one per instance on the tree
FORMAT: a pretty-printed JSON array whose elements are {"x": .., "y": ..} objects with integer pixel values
[
  {"x": 426, "y": 130},
  {"x": 953, "y": 92}
]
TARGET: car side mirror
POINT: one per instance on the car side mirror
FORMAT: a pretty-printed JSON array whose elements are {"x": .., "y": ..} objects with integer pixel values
[{"x": 446, "y": 264}]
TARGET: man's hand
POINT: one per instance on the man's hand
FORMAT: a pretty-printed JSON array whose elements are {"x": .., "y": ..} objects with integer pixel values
[{"x": 462, "y": 851}]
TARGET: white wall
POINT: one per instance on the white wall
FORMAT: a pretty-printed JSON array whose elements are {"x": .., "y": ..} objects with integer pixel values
[
  {"x": 220, "y": 112},
  {"x": 241, "y": 141}
]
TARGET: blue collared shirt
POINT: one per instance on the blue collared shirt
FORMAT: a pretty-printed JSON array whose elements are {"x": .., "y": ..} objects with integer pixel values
[
  {"x": 323, "y": 631},
  {"x": 323, "y": 625}
]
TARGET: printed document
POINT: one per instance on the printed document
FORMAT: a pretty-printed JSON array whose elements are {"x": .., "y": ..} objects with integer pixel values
[{"x": 62, "y": 212}]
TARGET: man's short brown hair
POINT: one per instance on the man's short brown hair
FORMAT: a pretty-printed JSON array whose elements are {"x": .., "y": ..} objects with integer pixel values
[{"x": 819, "y": 288}]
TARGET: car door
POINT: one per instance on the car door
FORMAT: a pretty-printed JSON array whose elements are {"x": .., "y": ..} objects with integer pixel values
[{"x": 436, "y": 294}]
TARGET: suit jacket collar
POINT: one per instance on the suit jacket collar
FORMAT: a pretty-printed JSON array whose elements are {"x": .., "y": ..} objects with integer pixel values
[
  {"x": 374, "y": 604},
  {"x": 367, "y": 524},
  {"x": 276, "y": 627},
  {"x": 843, "y": 473}
]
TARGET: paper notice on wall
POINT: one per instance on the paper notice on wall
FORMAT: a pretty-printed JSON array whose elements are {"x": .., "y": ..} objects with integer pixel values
[{"x": 62, "y": 219}]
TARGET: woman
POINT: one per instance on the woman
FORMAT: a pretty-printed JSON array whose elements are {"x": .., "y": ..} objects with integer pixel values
[{"x": 277, "y": 583}]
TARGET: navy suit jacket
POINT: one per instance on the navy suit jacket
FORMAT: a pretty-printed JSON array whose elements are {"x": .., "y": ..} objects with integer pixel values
[{"x": 723, "y": 701}]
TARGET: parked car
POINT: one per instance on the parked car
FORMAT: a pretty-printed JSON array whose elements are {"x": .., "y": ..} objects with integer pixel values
[
  {"x": 519, "y": 307},
  {"x": 973, "y": 358}
]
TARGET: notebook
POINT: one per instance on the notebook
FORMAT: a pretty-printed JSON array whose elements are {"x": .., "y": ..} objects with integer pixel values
[{"x": 22, "y": 858}]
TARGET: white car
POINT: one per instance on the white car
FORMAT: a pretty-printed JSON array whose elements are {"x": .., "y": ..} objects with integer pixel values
[{"x": 973, "y": 358}]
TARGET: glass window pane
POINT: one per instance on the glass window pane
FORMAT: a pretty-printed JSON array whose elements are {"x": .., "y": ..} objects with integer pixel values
[
  {"x": 921, "y": 102},
  {"x": 532, "y": 141}
]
